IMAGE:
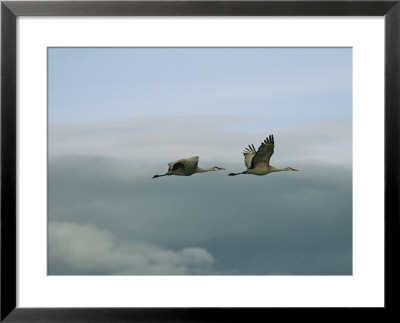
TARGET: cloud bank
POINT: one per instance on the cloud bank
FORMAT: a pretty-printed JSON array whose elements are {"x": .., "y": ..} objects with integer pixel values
[
  {"x": 156, "y": 141},
  {"x": 100, "y": 190},
  {"x": 85, "y": 249}
]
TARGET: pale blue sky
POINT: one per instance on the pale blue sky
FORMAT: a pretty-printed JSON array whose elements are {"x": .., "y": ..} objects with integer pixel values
[{"x": 285, "y": 86}]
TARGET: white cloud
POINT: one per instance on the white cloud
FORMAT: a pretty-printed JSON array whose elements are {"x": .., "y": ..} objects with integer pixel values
[{"x": 85, "y": 248}]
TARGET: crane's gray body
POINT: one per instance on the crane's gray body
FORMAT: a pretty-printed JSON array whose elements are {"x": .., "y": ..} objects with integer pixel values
[
  {"x": 183, "y": 167},
  {"x": 187, "y": 167}
]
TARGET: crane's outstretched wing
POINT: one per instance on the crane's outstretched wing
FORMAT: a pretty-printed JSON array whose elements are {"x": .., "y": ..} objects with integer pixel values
[
  {"x": 264, "y": 152},
  {"x": 248, "y": 155},
  {"x": 186, "y": 166},
  {"x": 178, "y": 169}
]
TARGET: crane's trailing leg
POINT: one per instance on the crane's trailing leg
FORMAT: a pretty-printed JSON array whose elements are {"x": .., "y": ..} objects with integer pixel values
[
  {"x": 234, "y": 174},
  {"x": 155, "y": 176}
]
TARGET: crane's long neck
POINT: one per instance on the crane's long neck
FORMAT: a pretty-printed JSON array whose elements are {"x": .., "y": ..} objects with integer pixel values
[
  {"x": 274, "y": 169},
  {"x": 204, "y": 170}
]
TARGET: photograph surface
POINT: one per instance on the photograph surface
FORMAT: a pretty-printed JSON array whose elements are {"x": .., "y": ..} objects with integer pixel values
[{"x": 199, "y": 161}]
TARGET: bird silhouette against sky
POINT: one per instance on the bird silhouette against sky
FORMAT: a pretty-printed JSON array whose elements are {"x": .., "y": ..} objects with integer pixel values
[
  {"x": 187, "y": 167},
  {"x": 257, "y": 162}
]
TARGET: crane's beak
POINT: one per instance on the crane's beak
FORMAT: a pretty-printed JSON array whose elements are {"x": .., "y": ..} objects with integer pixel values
[
  {"x": 221, "y": 168},
  {"x": 296, "y": 170}
]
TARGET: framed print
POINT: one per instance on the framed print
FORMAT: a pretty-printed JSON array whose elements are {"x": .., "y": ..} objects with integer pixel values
[{"x": 198, "y": 160}]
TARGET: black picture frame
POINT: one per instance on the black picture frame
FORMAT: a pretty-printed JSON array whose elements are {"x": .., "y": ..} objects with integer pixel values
[{"x": 10, "y": 10}]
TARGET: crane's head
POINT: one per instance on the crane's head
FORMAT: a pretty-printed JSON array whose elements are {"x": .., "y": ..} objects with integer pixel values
[
  {"x": 217, "y": 168},
  {"x": 290, "y": 169}
]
